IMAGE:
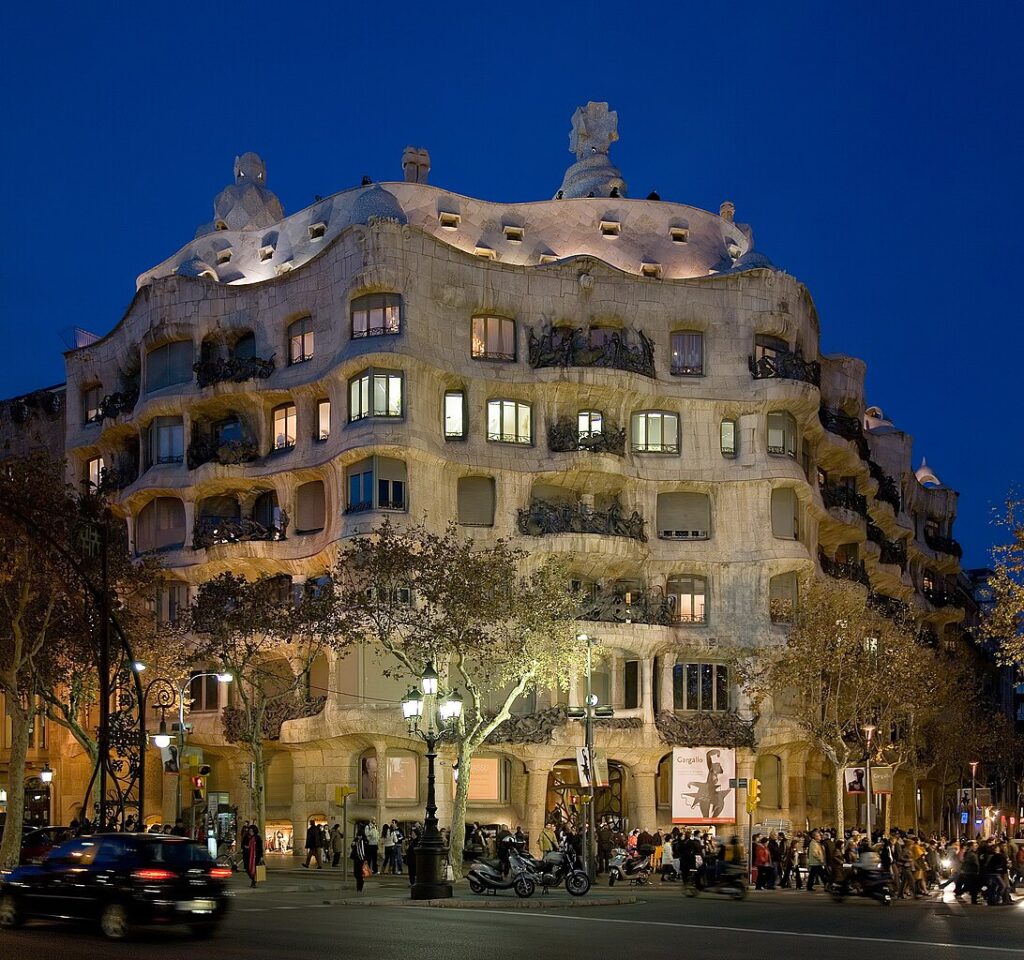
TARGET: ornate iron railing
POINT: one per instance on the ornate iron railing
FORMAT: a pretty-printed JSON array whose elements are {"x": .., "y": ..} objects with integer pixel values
[
  {"x": 235, "y": 369},
  {"x": 888, "y": 607},
  {"x": 48, "y": 402},
  {"x": 121, "y": 401},
  {"x": 630, "y": 350},
  {"x": 943, "y": 544},
  {"x": 785, "y": 366},
  {"x": 843, "y": 570},
  {"x": 894, "y": 552},
  {"x": 845, "y": 426},
  {"x": 836, "y": 495},
  {"x": 888, "y": 490},
  {"x": 205, "y": 449},
  {"x": 565, "y": 436},
  {"x": 615, "y": 605},
  {"x": 210, "y": 531},
  {"x": 543, "y": 517},
  {"x": 117, "y": 478},
  {"x": 939, "y": 597}
]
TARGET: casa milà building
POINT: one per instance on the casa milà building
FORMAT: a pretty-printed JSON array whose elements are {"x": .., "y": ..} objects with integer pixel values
[{"x": 626, "y": 382}]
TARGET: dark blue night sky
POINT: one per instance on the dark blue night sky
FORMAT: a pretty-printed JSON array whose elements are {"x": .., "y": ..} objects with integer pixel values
[{"x": 875, "y": 149}]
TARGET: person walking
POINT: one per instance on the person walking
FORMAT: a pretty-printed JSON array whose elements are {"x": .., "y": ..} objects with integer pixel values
[
  {"x": 337, "y": 844},
  {"x": 815, "y": 861},
  {"x": 359, "y": 855},
  {"x": 410, "y": 853},
  {"x": 387, "y": 844},
  {"x": 970, "y": 874},
  {"x": 313, "y": 844},
  {"x": 372, "y": 837},
  {"x": 396, "y": 850}
]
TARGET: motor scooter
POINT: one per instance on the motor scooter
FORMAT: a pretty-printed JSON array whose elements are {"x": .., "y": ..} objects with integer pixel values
[
  {"x": 485, "y": 876},
  {"x": 636, "y": 869}
]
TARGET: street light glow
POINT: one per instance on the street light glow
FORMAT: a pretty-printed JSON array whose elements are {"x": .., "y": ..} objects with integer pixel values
[
  {"x": 225, "y": 677},
  {"x": 162, "y": 739},
  {"x": 46, "y": 774},
  {"x": 428, "y": 682}
]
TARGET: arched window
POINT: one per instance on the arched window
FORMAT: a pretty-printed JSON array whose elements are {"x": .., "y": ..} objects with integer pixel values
[
  {"x": 300, "y": 341},
  {"x": 375, "y": 393},
  {"x": 160, "y": 525}
]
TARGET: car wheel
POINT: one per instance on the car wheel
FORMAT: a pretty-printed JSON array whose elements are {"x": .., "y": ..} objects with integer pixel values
[
  {"x": 11, "y": 916},
  {"x": 475, "y": 885},
  {"x": 203, "y": 931},
  {"x": 114, "y": 921},
  {"x": 524, "y": 887}
]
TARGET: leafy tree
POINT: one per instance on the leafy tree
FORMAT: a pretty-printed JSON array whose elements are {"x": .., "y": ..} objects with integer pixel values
[
  {"x": 256, "y": 631},
  {"x": 494, "y": 625},
  {"x": 1005, "y": 619}
]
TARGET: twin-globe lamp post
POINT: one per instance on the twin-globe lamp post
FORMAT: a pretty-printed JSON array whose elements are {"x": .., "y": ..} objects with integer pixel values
[
  {"x": 442, "y": 716},
  {"x": 869, "y": 730}
]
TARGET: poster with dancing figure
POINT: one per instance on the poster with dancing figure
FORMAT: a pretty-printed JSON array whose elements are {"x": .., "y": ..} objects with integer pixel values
[{"x": 700, "y": 785}]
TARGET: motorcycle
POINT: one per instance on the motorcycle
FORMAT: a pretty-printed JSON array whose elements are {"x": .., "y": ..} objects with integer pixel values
[
  {"x": 486, "y": 875},
  {"x": 723, "y": 878},
  {"x": 557, "y": 867},
  {"x": 636, "y": 869},
  {"x": 875, "y": 883}
]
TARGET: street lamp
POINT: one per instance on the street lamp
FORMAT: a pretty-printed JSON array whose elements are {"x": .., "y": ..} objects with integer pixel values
[
  {"x": 974, "y": 795},
  {"x": 442, "y": 718},
  {"x": 869, "y": 730},
  {"x": 46, "y": 774}
]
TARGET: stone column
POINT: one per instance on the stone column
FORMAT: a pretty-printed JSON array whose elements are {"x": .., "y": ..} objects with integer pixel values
[
  {"x": 646, "y": 800},
  {"x": 647, "y": 689},
  {"x": 536, "y": 800},
  {"x": 615, "y": 682},
  {"x": 795, "y": 790},
  {"x": 380, "y": 748},
  {"x": 666, "y": 699}
]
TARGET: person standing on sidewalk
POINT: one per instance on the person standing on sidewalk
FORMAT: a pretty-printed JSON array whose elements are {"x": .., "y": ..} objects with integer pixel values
[
  {"x": 313, "y": 844},
  {"x": 359, "y": 855},
  {"x": 372, "y": 837},
  {"x": 252, "y": 848},
  {"x": 337, "y": 844}
]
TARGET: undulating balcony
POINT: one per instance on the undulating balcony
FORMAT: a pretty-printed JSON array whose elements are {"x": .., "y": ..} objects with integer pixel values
[
  {"x": 890, "y": 551},
  {"x": 888, "y": 490},
  {"x": 121, "y": 401},
  {"x": 565, "y": 437},
  {"x": 785, "y": 366},
  {"x": 543, "y": 518},
  {"x": 843, "y": 569},
  {"x": 211, "y": 449},
  {"x": 628, "y": 349},
  {"x": 845, "y": 426},
  {"x": 837, "y": 495},
  {"x": 609, "y": 604},
  {"x": 114, "y": 478},
  {"x": 943, "y": 544},
  {"x": 233, "y": 369},
  {"x": 211, "y": 531},
  {"x": 888, "y": 607}
]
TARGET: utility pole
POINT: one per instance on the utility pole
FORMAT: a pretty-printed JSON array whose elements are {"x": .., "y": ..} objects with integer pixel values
[{"x": 103, "y": 734}]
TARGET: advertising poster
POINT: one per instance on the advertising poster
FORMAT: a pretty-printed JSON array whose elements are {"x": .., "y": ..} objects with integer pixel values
[
  {"x": 700, "y": 785},
  {"x": 598, "y": 769},
  {"x": 881, "y": 779},
  {"x": 855, "y": 779}
]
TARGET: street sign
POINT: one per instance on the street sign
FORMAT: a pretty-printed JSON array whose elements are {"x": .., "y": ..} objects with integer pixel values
[
  {"x": 963, "y": 817},
  {"x": 738, "y": 783}
]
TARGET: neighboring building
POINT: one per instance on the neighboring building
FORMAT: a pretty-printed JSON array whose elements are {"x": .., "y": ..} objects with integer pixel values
[{"x": 626, "y": 382}]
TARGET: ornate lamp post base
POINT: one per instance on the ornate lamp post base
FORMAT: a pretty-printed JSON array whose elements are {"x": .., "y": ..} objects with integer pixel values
[{"x": 430, "y": 881}]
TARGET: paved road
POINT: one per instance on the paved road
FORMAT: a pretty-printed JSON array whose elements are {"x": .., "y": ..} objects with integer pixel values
[{"x": 666, "y": 925}]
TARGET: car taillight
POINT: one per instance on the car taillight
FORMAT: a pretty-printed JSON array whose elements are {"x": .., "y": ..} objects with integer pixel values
[
  {"x": 154, "y": 874},
  {"x": 220, "y": 873}
]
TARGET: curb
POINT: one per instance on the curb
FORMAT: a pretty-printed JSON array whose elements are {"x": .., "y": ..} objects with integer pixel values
[{"x": 504, "y": 903}]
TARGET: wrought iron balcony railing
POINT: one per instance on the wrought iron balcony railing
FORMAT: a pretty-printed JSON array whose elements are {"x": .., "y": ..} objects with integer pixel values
[
  {"x": 121, "y": 401},
  {"x": 845, "y": 426},
  {"x": 943, "y": 544},
  {"x": 117, "y": 478},
  {"x": 843, "y": 569},
  {"x": 939, "y": 597},
  {"x": 888, "y": 490},
  {"x": 836, "y": 495},
  {"x": 209, "y": 449},
  {"x": 891, "y": 551},
  {"x": 542, "y": 518},
  {"x": 611, "y": 605},
  {"x": 210, "y": 531},
  {"x": 785, "y": 366},
  {"x": 888, "y": 607},
  {"x": 565, "y": 436},
  {"x": 630, "y": 350},
  {"x": 235, "y": 369}
]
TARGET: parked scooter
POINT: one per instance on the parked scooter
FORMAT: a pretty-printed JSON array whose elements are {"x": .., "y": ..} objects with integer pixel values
[
  {"x": 486, "y": 875},
  {"x": 560, "y": 866},
  {"x": 873, "y": 882},
  {"x": 635, "y": 869}
]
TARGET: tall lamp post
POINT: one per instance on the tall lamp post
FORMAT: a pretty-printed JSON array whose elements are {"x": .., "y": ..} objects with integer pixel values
[
  {"x": 869, "y": 730},
  {"x": 442, "y": 716},
  {"x": 590, "y": 710},
  {"x": 974, "y": 797}
]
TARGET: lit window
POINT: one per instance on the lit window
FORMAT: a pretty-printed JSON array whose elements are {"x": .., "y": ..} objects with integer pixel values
[
  {"x": 300, "y": 341},
  {"x": 376, "y": 315},
  {"x": 687, "y": 597},
  {"x": 782, "y": 434},
  {"x": 323, "y": 419},
  {"x": 455, "y": 415},
  {"x": 94, "y": 472},
  {"x": 494, "y": 338},
  {"x": 655, "y": 432},
  {"x": 728, "y": 438},
  {"x": 590, "y": 423},
  {"x": 166, "y": 440},
  {"x": 688, "y": 354},
  {"x": 509, "y": 421},
  {"x": 375, "y": 393},
  {"x": 769, "y": 347},
  {"x": 700, "y": 686},
  {"x": 92, "y": 397},
  {"x": 204, "y": 692},
  {"x": 285, "y": 427}
]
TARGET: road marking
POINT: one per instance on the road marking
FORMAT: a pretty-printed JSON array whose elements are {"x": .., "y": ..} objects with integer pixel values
[{"x": 544, "y": 915}]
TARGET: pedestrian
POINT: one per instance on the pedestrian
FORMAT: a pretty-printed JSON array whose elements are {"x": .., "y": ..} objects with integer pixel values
[
  {"x": 387, "y": 843},
  {"x": 815, "y": 861},
  {"x": 970, "y": 874},
  {"x": 360, "y": 856},
  {"x": 337, "y": 844},
  {"x": 371, "y": 834},
  {"x": 179, "y": 828},
  {"x": 313, "y": 844},
  {"x": 396, "y": 850},
  {"x": 547, "y": 841},
  {"x": 414, "y": 842},
  {"x": 253, "y": 851}
]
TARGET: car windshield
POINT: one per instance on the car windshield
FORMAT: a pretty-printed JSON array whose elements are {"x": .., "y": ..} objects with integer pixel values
[{"x": 176, "y": 854}]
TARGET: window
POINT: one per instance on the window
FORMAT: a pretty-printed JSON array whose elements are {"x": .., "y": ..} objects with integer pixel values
[
  {"x": 655, "y": 432},
  {"x": 687, "y": 596},
  {"x": 700, "y": 686},
  {"x": 476, "y": 501},
  {"x": 402, "y": 776},
  {"x": 590, "y": 424},
  {"x": 631, "y": 684},
  {"x": 488, "y": 780},
  {"x": 94, "y": 473},
  {"x": 166, "y": 440},
  {"x": 377, "y": 483},
  {"x": 310, "y": 507},
  {"x": 300, "y": 341},
  {"x": 455, "y": 415},
  {"x": 160, "y": 525},
  {"x": 684, "y": 516},
  {"x": 375, "y": 393},
  {"x": 92, "y": 397},
  {"x": 228, "y": 430},
  {"x": 285, "y": 426},
  {"x": 688, "y": 354},
  {"x": 171, "y": 602},
  {"x": 785, "y": 514},
  {"x": 509, "y": 421},
  {"x": 494, "y": 338},
  {"x": 244, "y": 347},
  {"x": 266, "y": 511},
  {"x": 204, "y": 692},
  {"x": 782, "y": 434},
  {"x": 769, "y": 347},
  {"x": 782, "y": 597},
  {"x": 323, "y": 419},
  {"x": 170, "y": 363},
  {"x": 728, "y": 438},
  {"x": 376, "y": 315}
]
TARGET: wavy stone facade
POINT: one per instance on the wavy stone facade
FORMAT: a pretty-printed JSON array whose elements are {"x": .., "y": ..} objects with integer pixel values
[{"x": 630, "y": 311}]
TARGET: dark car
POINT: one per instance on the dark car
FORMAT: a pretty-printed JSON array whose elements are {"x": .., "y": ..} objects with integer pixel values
[
  {"x": 119, "y": 880},
  {"x": 36, "y": 844}
]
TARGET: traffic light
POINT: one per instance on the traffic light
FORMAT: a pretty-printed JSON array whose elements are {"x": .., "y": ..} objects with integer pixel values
[
  {"x": 198, "y": 788},
  {"x": 753, "y": 794}
]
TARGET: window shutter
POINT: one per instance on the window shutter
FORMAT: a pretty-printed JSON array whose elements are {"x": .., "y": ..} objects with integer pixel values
[
  {"x": 784, "y": 513},
  {"x": 684, "y": 516},
  {"x": 476, "y": 501},
  {"x": 169, "y": 523},
  {"x": 311, "y": 508}
]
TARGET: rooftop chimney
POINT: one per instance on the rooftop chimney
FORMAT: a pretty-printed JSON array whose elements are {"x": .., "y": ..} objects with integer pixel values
[
  {"x": 415, "y": 164},
  {"x": 727, "y": 210}
]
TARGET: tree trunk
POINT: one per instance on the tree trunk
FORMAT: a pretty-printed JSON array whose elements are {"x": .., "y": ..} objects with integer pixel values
[
  {"x": 10, "y": 846},
  {"x": 458, "y": 825},
  {"x": 840, "y": 797},
  {"x": 258, "y": 793},
  {"x": 913, "y": 800}
]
